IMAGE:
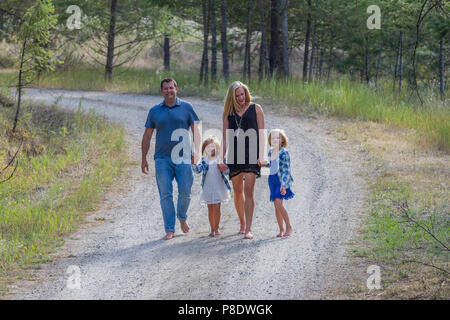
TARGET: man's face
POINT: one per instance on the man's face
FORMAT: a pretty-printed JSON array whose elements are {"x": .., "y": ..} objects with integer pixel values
[{"x": 169, "y": 91}]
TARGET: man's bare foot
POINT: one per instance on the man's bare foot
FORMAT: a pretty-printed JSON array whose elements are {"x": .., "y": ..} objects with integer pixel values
[
  {"x": 280, "y": 234},
  {"x": 169, "y": 235},
  {"x": 212, "y": 234},
  {"x": 184, "y": 226},
  {"x": 288, "y": 232},
  {"x": 248, "y": 235},
  {"x": 242, "y": 231}
]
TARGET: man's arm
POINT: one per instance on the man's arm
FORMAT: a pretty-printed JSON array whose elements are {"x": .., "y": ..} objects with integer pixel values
[
  {"x": 145, "y": 146},
  {"x": 197, "y": 142}
]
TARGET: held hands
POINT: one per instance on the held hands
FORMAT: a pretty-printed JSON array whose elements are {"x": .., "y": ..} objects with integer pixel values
[
  {"x": 262, "y": 163},
  {"x": 222, "y": 166},
  {"x": 282, "y": 191}
]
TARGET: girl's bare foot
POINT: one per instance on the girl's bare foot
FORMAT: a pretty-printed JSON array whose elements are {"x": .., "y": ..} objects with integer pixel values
[
  {"x": 212, "y": 234},
  {"x": 280, "y": 234},
  {"x": 288, "y": 232},
  {"x": 248, "y": 235}
]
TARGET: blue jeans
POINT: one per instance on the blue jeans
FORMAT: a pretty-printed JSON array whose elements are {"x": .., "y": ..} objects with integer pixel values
[{"x": 166, "y": 170}]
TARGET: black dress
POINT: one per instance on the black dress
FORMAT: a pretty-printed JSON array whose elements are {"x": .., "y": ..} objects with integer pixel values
[{"x": 246, "y": 122}]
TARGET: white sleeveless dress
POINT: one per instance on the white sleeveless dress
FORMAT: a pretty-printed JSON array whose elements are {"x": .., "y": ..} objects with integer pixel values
[{"x": 214, "y": 188}]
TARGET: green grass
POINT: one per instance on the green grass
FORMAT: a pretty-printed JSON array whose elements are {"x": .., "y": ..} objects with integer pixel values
[
  {"x": 339, "y": 97},
  {"x": 393, "y": 236},
  {"x": 67, "y": 160}
]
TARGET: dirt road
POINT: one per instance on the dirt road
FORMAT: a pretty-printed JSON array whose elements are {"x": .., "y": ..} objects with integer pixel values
[{"x": 124, "y": 257}]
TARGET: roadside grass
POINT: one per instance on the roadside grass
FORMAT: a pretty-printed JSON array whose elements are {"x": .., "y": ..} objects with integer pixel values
[
  {"x": 66, "y": 161},
  {"x": 338, "y": 97},
  {"x": 406, "y": 230}
]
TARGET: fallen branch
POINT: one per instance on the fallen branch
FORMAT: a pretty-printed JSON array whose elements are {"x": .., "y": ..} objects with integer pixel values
[{"x": 426, "y": 264}]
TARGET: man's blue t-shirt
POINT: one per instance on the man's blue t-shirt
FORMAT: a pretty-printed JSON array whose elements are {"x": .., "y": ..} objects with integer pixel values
[{"x": 166, "y": 120}]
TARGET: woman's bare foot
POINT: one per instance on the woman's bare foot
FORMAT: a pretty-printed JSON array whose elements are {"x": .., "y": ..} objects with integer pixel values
[
  {"x": 169, "y": 235},
  {"x": 184, "y": 226},
  {"x": 280, "y": 234},
  {"x": 242, "y": 231},
  {"x": 212, "y": 234},
  {"x": 288, "y": 232},
  {"x": 248, "y": 235},
  {"x": 217, "y": 232}
]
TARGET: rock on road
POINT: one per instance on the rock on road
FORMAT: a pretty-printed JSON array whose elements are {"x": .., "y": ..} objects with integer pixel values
[{"x": 124, "y": 257}]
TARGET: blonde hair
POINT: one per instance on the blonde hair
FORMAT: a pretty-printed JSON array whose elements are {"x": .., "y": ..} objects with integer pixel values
[
  {"x": 208, "y": 141},
  {"x": 282, "y": 134},
  {"x": 231, "y": 104}
]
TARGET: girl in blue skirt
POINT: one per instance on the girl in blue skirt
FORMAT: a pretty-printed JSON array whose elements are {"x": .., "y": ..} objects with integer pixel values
[{"x": 280, "y": 179}]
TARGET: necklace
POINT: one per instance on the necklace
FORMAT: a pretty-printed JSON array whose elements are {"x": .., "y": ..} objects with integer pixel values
[{"x": 241, "y": 117}]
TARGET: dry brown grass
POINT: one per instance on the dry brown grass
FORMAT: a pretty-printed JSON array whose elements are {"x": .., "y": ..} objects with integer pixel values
[{"x": 398, "y": 154}]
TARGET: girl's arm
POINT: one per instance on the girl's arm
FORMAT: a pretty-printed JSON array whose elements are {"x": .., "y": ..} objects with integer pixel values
[
  {"x": 198, "y": 168},
  {"x": 285, "y": 168}
]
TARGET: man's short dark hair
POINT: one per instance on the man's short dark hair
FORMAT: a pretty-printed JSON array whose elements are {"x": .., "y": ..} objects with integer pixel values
[{"x": 167, "y": 80}]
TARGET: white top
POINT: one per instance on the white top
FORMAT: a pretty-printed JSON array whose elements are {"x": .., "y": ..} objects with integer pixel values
[{"x": 214, "y": 188}]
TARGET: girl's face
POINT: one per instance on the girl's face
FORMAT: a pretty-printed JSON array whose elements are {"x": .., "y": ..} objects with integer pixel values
[
  {"x": 276, "y": 140},
  {"x": 240, "y": 96},
  {"x": 211, "y": 150}
]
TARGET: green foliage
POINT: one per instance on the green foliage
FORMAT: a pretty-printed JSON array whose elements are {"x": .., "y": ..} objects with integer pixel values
[
  {"x": 394, "y": 235},
  {"x": 67, "y": 161},
  {"x": 34, "y": 35}
]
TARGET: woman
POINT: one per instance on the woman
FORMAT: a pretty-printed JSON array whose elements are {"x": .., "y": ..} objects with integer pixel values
[{"x": 243, "y": 121}]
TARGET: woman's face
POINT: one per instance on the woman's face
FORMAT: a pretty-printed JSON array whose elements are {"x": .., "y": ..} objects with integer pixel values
[
  {"x": 240, "y": 96},
  {"x": 211, "y": 149}
]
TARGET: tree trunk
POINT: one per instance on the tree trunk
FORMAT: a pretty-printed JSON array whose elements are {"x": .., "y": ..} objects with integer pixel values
[
  {"x": 285, "y": 37},
  {"x": 322, "y": 49},
  {"x": 379, "y": 62},
  {"x": 166, "y": 53},
  {"x": 213, "y": 42},
  {"x": 366, "y": 58},
  {"x": 330, "y": 61},
  {"x": 313, "y": 52},
  {"x": 204, "y": 71},
  {"x": 400, "y": 67},
  {"x": 308, "y": 34},
  {"x": 274, "y": 37},
  {"x": 111, "y": 39},
  {"x": 396, "y": 65},
  {"x": 442, "y": 69},
  {"x": 223, "y": 40},
  {"x": 264, "y": 58},
  {"x": 19, "y": 86},
  {"x": 247, "y": 70}
]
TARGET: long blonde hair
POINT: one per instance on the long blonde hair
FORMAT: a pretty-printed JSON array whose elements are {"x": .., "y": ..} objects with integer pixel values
[{"x": 231, "y": 104}]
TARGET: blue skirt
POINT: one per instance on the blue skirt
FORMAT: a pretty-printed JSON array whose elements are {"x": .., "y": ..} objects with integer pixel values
[{"x": 274, "y": 185}]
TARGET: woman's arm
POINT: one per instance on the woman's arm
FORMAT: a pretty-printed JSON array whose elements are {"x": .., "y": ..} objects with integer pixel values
[
  {"x": 224, "y": 138},
  {"x": 261, "y": 132}
]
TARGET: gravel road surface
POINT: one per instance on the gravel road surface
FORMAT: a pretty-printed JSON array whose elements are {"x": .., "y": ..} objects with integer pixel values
[{"x": 120, "y": 253}]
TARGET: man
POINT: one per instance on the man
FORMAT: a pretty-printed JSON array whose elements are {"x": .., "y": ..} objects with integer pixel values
[{"x": 170, "y": 117}]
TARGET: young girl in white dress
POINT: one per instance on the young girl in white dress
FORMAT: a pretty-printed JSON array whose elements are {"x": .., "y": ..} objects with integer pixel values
[{"x": 215, "y": 185}]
